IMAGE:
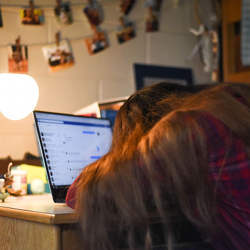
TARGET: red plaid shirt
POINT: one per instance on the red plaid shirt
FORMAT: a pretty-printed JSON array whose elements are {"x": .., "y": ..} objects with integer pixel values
[
  {"x": 230, "y": 171},
  {"x": 71, "y": 194}
]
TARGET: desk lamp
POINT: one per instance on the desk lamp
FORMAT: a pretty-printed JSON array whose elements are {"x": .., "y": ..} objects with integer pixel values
[{"x": 18, "y": 95}]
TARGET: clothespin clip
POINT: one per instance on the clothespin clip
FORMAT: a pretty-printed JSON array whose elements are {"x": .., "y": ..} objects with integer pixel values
[
  {"x": 58, "y": 3},
  {"x": 31, "y": 4},
  {"x": 58, "y": 38},
  {"x": 91, "y": 2},
  {"x": 18, "y": 41},
  {"x": 58, "y": 7}
]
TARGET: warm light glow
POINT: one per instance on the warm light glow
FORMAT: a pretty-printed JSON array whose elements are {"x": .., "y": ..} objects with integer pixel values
[{"x": 18, "y": 95}]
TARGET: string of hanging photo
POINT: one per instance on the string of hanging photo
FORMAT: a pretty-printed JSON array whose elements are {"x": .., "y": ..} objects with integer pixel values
[{"x": 59, "y": 55}]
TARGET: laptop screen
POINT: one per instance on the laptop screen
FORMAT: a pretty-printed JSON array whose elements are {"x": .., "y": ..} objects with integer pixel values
[{"x": 69, "y": 143}]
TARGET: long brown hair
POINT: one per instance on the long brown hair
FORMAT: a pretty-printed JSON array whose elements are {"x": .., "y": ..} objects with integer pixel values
[
  {"x": 175, "y": 157},
  {"x": 144, "y": 108},
  {"x": 111, "y": 201}
]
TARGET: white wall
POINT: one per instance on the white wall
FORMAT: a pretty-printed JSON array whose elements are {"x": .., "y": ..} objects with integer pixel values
[{"x": 104, "y": 75}]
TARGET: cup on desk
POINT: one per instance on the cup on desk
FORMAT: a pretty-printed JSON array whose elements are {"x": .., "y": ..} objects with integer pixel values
[{"x": 19, "y": 180}]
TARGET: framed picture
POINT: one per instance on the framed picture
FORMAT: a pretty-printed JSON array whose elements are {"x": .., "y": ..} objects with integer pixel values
[
  {"x": 1, "y": 20},
  {"x": 146, "y": 74}
]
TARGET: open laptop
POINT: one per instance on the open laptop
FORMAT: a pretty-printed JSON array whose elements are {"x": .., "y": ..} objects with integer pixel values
[{"x": 67, "y": 144}]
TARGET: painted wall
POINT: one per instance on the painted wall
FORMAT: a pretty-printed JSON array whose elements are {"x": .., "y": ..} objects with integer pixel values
[{"x": 105, "y": 75}]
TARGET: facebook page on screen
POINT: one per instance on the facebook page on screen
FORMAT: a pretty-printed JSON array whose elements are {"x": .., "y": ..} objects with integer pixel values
[{"x": 70, "y": 143}]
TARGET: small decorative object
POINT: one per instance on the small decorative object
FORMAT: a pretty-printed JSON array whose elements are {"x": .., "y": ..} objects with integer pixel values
[
  {"x": 1, "y": 19},
  {"x": 32, "y": 15},
  {"x": 207, "y": 34},
  {"x": 126, "y": 30},
  {"x": 63, "y": 12},
  {"x": 152, "y": 20},
  {"x": 93, "y": 13},
  {"x": 96, "y": 43},
  {"x": 37, "y": 186},
  {"x": 19, "y": 181},
  {"x": 6, "y": 184},
  {"x": 3, "y": 193},
  {"x": 58, "y": 55},
  {"x": 18, "y": 57},
  {"x": 9, "y": 181},
  {"x": 207, "y": 38},
  {"x": 126, "y": 6}
]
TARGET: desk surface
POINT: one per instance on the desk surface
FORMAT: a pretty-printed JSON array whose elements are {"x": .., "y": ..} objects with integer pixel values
[{"x": 37, "y": 208}]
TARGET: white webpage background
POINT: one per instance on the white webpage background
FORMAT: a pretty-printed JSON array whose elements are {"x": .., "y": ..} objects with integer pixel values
[{"x": 72, "y": 147}]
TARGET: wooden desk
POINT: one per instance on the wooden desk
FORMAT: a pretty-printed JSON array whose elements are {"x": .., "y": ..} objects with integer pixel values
[{"x": 35, "y": 222}]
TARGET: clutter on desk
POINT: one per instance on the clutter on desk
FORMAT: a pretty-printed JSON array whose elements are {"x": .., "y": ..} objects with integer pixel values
[
  {"x": 17, "y": 178},
  {"x": 28, "y": 158},
  {"x": 3, "y": 193},
  {"x": 37, "y": 182},
  {"x": 15, "y": 183},
  {"x": 37, "y": 186},
  {"x": 6, "y": 181}
]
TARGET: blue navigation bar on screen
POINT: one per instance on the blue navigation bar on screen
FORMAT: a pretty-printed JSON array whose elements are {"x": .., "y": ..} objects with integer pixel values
[{"x": 74, "y": 123}]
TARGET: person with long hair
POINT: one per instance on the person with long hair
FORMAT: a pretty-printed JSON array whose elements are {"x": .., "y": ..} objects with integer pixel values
[
  {"x": 110, "y": 193},
  {"x": 197, "y": 161},
  {"x": 137, "y": 116},
  {"x": 194, "y": 163}
]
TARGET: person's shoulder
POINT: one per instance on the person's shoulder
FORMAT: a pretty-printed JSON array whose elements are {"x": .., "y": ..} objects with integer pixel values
[{"x": 212, "y": 123}]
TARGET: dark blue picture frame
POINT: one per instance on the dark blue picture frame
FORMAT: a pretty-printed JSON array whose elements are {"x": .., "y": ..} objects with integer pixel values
[
  {"x": 144, "y": 71},
  {"x": 1, "y": 19}
]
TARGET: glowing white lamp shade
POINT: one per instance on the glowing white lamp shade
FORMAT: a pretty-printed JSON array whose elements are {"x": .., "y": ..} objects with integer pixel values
[{"x": 18, "y": 95}]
